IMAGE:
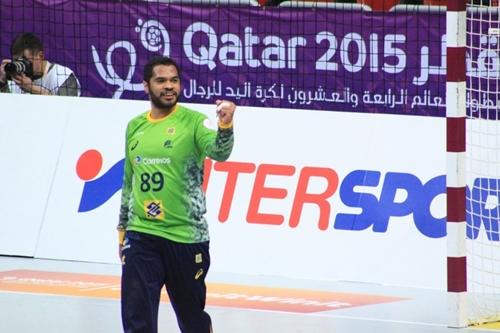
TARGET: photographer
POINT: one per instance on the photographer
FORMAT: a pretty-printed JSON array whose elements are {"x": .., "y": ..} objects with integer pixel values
[{"x": 28, "y": 72}]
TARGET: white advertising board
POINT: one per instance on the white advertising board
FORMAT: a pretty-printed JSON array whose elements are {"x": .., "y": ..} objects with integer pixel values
[
  {"x": 305, "y": 194},
  {"x": 31, "y": 139}
]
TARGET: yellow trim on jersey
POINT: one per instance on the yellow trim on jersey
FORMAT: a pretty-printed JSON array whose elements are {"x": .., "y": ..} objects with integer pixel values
[
  {"x": 225, "y": 126},
  {"x": 152, "y": 120}
]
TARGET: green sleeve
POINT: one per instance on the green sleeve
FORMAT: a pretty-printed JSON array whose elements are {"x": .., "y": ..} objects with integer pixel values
[
  {"x": 126, "y": 188},
  {"x": 216, "y": 145}
]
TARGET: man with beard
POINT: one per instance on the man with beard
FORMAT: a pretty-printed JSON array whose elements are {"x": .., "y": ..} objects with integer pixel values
[
  {"x": 163, "y": 233},
  {"x": 31, "y": 73}
]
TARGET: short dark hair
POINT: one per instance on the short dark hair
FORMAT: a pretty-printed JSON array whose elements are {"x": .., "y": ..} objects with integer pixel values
[
  {"x": 155, "y": 61},
  {"x": 26, "y": 41}
]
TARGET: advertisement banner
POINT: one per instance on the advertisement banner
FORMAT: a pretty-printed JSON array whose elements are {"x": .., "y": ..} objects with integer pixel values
[
  {"x": 332, "y": 195},
  {"x": 335, "y": 60}
]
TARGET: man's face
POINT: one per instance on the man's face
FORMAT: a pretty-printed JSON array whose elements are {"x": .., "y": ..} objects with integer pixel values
[
  {"x": 164, "y": 87},
  {"x": 36, "y": 58}
]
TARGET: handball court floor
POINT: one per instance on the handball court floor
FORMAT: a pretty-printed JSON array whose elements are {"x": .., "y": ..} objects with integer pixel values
[{"x": 61, "y": 296}]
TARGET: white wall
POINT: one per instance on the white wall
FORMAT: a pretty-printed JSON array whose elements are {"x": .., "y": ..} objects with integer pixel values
[
  {"x": 41, "y": 191},
  {"x": 31, "y": 139}
]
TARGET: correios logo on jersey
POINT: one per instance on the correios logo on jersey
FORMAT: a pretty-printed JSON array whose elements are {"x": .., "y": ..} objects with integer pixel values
[
  {"x": 363, "y": 209},
  {"x": 152, "y": 160}
]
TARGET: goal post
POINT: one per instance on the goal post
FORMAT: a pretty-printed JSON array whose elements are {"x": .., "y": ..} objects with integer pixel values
[{"x": 455, "y": 147}]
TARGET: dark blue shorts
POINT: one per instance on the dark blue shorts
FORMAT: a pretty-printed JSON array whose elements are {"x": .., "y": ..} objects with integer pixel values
[{"x": 151, "y": 262}]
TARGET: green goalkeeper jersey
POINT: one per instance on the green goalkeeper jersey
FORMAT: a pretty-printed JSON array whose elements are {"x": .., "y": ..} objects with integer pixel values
[{"x": 162, "y": 189}]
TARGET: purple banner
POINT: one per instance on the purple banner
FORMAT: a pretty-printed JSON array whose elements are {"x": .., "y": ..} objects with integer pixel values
[{"x": 337, "y": 60}]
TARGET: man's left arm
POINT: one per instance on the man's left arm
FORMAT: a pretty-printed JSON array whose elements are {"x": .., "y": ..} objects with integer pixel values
[{"x": 26, "y": 84}]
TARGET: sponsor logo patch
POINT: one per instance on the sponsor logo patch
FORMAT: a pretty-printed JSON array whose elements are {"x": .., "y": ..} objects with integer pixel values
[{"x": 154, "y": 209}]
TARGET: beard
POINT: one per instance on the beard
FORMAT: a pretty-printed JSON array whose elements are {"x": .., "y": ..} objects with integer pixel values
[{"x": 161, "y": 104}]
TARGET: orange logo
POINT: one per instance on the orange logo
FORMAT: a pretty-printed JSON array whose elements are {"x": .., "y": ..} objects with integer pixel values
[{"x": 219, "y": 294}]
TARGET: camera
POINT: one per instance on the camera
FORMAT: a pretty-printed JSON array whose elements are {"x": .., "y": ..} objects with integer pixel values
[{"x": 19, "y": 66}]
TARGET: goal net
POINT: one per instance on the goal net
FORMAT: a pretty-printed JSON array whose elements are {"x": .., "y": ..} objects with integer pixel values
[{"x": 483, "y": 162}]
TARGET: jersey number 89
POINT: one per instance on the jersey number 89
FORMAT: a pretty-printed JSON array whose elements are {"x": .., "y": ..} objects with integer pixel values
[{"x": 152, "y": 181}]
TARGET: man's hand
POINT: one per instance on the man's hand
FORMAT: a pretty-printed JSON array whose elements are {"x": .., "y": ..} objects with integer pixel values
[
  {"x": 225, "y": 112},
  {"x": 121, "y": 243},
  {"x": 24, "y": 82},
  {"x": 3, "y": 75}
]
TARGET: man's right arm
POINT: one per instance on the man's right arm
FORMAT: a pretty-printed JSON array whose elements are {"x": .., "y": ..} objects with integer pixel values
[{"x": 126, "y": 195}]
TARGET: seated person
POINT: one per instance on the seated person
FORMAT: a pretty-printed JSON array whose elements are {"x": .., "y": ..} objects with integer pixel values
[{"x": 30, "y": 73}]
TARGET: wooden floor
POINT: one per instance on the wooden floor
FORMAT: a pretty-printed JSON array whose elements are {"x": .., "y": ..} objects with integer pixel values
[{"x": 57, "y": 296}]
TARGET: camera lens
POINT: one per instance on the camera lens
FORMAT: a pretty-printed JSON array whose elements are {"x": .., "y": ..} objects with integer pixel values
[{"x": 15, "y": 67}]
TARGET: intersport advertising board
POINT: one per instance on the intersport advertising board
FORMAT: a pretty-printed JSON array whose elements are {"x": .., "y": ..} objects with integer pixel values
[{"x": 315, "y": 195}]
